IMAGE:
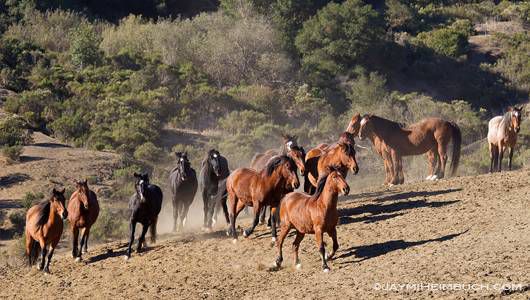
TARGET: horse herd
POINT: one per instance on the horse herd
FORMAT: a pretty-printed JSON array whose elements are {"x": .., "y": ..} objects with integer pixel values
[{"x": 269, "y": 182}]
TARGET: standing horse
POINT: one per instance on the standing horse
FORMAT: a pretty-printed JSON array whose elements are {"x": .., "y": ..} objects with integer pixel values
[
  {"x": 431, "y": 136},
  {"x": 44, "y": 226},
  {"x": 247, "y": 187},
  {"x": 340, "y": 155},
  {"x": 213, "y": 172},
  {"x": 315, "y": 214},
  {"x": 502, "y": 134},
  {"x": 83, "y": 211},
  {"x": 183, "y": 182},
  {"x": 145, "y": 205}
]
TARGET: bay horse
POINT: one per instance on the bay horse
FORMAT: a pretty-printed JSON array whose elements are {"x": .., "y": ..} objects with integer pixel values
[
  {"x": 340, "y": 155},
  {"x": 213, "y": 173},
  {"x": 44, "y": 226},
  {"x": 393, "y": 141},
  {"x": 145, "y": 205},
  {"x": 316, "y": 214},
  {"x": 247, "y": 187},
  {"x": 183, "y": 182},
  {"x": 289, "y": 147},
  {"x": 502, "y": 134},
  {"x": 83, "y": 211}
]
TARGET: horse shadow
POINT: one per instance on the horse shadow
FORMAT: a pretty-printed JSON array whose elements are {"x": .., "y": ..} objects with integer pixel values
[
  {"x": 376, "y": 209},
  {"x": 407, "y": 195},
  {"x": 343, "y": 220},
  {"x": 109, "y": 254},
  {"x": 12, "y": 179},
  {"x": 51, "y": 145},
  {"x": 378, "y": 249},
  {"x": 26, "y": 158}
]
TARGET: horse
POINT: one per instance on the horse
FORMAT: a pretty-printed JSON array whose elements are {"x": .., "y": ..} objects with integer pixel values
[
  {"x": 247, "y": 187},
  {"x": 213, "y": 173},
  {"x": 145, "y": 205},
  {"x": 340, "y": 155},
  {"x": 393, "y": 141},
  {"x": 289, "y": 147},
  {"x": 44, "y": 226},
  {"x": 316, "y": 214},
  {"x": 183, "y": 182},
  {"x": 83, "y": 211},
  {"x": 502, "y": 134}
]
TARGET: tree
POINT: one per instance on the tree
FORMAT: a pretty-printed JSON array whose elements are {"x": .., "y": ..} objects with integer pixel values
[
  {"x": 85, "y": 47},
  {"x": 338, "y": 37}
]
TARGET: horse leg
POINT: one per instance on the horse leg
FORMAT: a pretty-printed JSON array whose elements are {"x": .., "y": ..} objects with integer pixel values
[
  {"x": 279, "y": 244},
  {"x": 257, "y": 207},
  {"x": 501, "y": 154},
  {"x": 262, "y": 215},
  {"x": 132, "y": 227},
  {"x": 87, "y": 234},
  {"x": 141, "y": 240},
  {"x": 52, "y": 248},
  {"x": 205, "y": 202},
  {"x": 211, "y": 211},
  {"x": 43, "y": 254},
  {"x": 387, "y": 172},
  {"x": 273, "y": 216},
  {"x": 184, "y": 213},
  {"x": 442, "y": 153},
  {"x": 395, "y": 167},
  {"x": 175, "y": 213},
  {"x": 492, "y": 156},
  {"x": 432, "y": 160},
  {"x": 510, "y": 159},
  {"x": 75, "y": 238},
  {"x": 333, "y": 235},
  {"x": 401, "y": 176},
  {"x": 296, "y": 246},
  {"x": 319, "y": 235}
]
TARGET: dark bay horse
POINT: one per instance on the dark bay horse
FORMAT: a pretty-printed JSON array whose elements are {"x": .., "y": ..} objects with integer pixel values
[
  {"x": 213, "y": 173},
  {"x": 44, "y": 226},
  {"x": 502, "y": 134},
  {"x": 290, "y": 148},
  {"x": 247, "y": 187},
  {"x": 183, "y": 182},
  {"x": 315, "y": 214},
  {"x": 393, "y": 141},
  {"x": 83, "y": 211},
  {"x": 340, "y": 155},
  {"x": 145, "y": 205}
]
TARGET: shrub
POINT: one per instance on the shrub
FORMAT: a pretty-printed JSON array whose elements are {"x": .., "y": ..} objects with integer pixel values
[
  {"x": 34, "y": 106},
  {"x": 12, "y": 153},
  {"x": 18, "y": 220},
  {"x": 148, "y": 152},
  {"x": 243, "y": 121},
  {"x": 30, "y": 199},
  {"x": 109, "y": 225},
  {"x": 84, "y": 48},
  {"x": 449, "y": 41}
]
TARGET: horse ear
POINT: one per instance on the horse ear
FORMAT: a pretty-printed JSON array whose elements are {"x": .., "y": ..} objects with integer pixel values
[
  {"x": 54, "y": 191},
  {"x": 61, "y": 191},
  {"x": 136, "y": 175}
]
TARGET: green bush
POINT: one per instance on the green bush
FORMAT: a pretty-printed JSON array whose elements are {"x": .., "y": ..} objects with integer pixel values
[
  {"x": 31, "y": 199},
  {"x": 84, "y": 47},
  {"x": 148, "y": 152},
  {"x": 109, "y": 225},
  {"x": 450, "y": 41},
  {"x": 18, "y": 220}
]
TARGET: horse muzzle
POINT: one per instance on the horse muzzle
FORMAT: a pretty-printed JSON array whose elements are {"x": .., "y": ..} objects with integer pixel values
[
  {"x": 346, "y": 190},
  {"x": 296, "y": 185},
  {"x": 64, "y": 215},
  {"x": 355, "y": 170}
]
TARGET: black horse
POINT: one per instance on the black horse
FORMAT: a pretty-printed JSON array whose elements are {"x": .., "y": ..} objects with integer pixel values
[
  {"x": 214, "y": 172},
  {"x": 145, "y": 205},
  {"x": 183, "y": 182}
]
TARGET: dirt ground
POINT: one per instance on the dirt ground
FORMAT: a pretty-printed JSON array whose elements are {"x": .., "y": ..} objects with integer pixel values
[{"x": 466, "y": 230}]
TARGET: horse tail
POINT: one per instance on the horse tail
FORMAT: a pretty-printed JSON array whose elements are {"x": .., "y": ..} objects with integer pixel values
[
  {"x": 457, "y": 143},
  {"x": 225, "y": 207},
  {"x": 34, "y": 251},
  {"x": 152, "y": 230}
]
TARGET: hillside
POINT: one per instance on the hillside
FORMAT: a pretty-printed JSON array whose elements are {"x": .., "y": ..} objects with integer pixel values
[{"x": 469, "y": 230}]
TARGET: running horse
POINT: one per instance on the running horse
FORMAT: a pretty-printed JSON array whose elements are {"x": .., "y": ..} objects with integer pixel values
[
  {"x": 184, "y": 184},
  {"x": 290, "y": 148},
  {"x": 247, "y": 187},
  {"x": 340, "y": 155},
  {"x": 44, "y": 227},
  {"x": 83, "y": 211},
  {"x": 214, "y": 172},
  {"x": 315, "y": 214},
  {"x": 502, "y": 134},
  {"x": 393, "y": 141}
]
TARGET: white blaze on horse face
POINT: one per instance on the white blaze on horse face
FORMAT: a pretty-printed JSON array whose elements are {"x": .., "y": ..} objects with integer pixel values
[
  {"x": 215, "y": 155},
  {"x": 181, "y": 159},
  {"x": 289, "y": 144},
  {"x": 363, "y": 121}
]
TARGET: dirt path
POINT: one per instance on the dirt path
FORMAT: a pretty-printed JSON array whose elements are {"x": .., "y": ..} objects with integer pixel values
[{"x": 469, "y": 230}]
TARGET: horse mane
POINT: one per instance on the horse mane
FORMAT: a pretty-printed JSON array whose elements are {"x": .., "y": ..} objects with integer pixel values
[
  {"x": 507, "y": 120},
  {"x": 320, "y": 186},
  {"x": 393, "y": 125},
  {"x": 43, "y": 213},
  {"x": 277, "y": 161}
]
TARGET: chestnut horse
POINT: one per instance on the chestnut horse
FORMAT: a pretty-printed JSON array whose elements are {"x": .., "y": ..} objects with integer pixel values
[
  {"x": 502, "y": 134},
  {"x": 83, "y": 211},
  {"x": 247, "y": 187},
  {"x": 340, "y": 155},
  {"x": 315, "y": 214},
  {"x": 44, "y": 226},
  {"x": 290, "y": 148},
  {"x": 392, "y": 141}
]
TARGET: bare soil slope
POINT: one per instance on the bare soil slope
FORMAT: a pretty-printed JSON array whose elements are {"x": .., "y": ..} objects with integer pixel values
[{"x": 469, "y": 230}]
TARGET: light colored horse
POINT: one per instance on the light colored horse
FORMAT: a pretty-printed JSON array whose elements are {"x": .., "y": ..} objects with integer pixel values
[{"x": 502, "y": 134}]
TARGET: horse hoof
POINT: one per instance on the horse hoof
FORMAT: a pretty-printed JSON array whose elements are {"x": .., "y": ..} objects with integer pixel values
[
  {"x": 326, "y": 270},
  {"x": 126, "y": 257},
  {"x": 77, "y": 259},
  {"x": 298, "y": 266},
  {"x": 274, "y": 240},
  {"x": 234, "y": 241},
  {"x": 245, "y": 234},
  {"x": 434, "y": 177}
]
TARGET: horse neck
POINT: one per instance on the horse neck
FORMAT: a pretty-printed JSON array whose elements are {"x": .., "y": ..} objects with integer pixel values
[
  {"x": 270, "y": 182},
  {"x": 53, "y": 217},
  {"x": 329, "y": 197}
]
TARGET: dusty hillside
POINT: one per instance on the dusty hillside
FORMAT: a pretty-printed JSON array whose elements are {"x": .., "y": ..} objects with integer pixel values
[{"x": 469, "y": 230}]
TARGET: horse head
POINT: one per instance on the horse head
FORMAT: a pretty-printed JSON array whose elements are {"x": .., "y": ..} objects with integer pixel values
[
  {"x": 348, "y": 159},
  {"x": 297, "y": 153},
  {"x": 516, "y": 114},
  {"x": 83, "y": 192},
  {"x": 337, "y": 180},
  {"x": 57, "y": 202},
  {"x": 289, "y": 141},
  {"x": 141, "y": 184},
  {"x": 354, "y": 125},
  {"x": 365, "y": 126},
  {"x": 183, "y": 164},
  {"x": 214, "y": 160},
  {"x": 286, "y": 168}
]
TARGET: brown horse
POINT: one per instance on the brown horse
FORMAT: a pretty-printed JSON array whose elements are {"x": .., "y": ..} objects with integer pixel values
[
  {"x": 83, "y": 211},
  {"x": 340, "y": 155},
  {"x": 502, "y": 134},
  {"x": 44, "y": 226},
  {"x": 392, "y": 141},
  {"x": 247, "y": 187},
  {"x": 315, "y": 214}
]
